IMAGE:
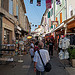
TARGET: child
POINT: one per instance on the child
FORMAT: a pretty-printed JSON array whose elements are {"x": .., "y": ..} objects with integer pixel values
[{"x": 32, "y": 52}]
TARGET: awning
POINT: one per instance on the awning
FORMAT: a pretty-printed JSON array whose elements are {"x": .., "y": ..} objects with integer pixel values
[
  {"x": 19, "y": 28},
  {"x": 24, "y": 32},
  {"x": 18, "y": 32}
]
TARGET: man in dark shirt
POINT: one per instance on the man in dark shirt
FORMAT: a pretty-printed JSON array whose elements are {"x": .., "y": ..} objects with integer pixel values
[{"x": 51, "y": 44}]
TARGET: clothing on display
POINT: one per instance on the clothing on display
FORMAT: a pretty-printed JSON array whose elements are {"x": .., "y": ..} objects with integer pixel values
[
  {"x": 72, "y": 39},
  {"x": 64, "y": 43}
]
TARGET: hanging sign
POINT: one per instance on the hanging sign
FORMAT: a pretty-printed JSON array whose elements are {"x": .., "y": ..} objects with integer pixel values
[{"x": 54, "y": 22}]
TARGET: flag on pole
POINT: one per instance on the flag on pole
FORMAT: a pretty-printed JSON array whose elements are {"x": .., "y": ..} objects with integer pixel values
[
  {"x": 38, "y": 2},
  {"x": 48, "y": 4},
  {"x": 31, "y": 1}
]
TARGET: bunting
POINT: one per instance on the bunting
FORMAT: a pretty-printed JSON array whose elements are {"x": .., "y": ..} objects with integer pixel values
[
  {"x": 35, "y": 25},
  {"x": 39, "y": 26},
  {"x": 38, "y": 2},
  {"x": 48, "y": 4},
  {"x": 31, "y": 1},
  {"x": 58, "y": 2}
]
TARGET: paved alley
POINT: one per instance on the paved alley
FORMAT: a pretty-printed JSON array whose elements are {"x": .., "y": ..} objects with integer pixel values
[{"x": 26, "y": 68}]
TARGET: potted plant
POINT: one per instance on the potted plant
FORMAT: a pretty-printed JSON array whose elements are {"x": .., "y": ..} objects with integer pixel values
[{"x": 72, "y": 56}]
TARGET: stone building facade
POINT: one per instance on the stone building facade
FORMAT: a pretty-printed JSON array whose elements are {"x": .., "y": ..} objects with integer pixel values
[{"x": 12, "y": 19}]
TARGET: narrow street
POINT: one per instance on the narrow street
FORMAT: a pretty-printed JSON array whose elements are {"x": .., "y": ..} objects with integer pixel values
[{"x": 26, "y": 68}]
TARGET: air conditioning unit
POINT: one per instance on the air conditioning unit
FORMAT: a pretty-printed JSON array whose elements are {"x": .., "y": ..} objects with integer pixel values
[{"x": 72, "y": 12}]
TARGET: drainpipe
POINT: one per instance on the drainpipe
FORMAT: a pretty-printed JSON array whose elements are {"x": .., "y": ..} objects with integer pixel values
[
  {"x": 66, "y": 18},
  {"x": 1, "y": 15},
  {"x": 54, "y": 15}
]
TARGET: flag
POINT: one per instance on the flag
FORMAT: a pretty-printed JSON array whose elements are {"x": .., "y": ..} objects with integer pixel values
[
  {"x": 38, "y": 2},
  {"x": 39, "y": 26},
  {"x": 48, "y": 4},
  {"x": 58, "y": 2},
  {"x": 49, "y": 14},
  {"x": 35, "y": 25},
  {"x": 31, "y": 1}
]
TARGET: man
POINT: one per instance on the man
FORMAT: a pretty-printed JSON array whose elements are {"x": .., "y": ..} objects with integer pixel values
[
  {"x": 38, "y": 65},
  {"x": 51, "y": 46}
]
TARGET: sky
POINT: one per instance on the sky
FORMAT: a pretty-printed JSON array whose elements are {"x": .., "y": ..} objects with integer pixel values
[{"x": 34, "y": 12}]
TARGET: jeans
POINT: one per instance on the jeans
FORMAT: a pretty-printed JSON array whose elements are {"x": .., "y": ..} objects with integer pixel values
[{"x": 40, "y": 73}]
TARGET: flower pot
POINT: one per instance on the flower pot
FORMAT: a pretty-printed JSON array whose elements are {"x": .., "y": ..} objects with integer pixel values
[{"x": 73, "y": 62}]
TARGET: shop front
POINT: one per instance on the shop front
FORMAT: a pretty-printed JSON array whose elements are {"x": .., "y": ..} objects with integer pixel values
[
  {"x": 7, "y": 31},
  {"x": 71, "y": 30}
]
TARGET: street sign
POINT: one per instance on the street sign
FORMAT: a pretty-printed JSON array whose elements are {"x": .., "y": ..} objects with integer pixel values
[{"x": 54, "y": 22}]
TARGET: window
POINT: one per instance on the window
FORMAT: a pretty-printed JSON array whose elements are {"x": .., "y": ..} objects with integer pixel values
[
  {"x": 51, "y": 11},
  {"x": 11, "y": 7},
  {"x": 17, "y": 11}
]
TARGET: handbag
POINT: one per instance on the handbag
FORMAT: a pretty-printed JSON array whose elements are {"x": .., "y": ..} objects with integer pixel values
[{"x": 47, "y": 67}]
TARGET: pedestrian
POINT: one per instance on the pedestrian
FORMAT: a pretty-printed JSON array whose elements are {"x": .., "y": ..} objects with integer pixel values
[
  {"x": 36, "y": 48},
  {"x": 51, "y": 45},
  {"x": 32, "y": 52},
  {"x": 38, "y": 65}
]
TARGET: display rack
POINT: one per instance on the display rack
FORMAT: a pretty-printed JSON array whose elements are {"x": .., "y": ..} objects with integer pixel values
[{"x": 7, "y": 52}]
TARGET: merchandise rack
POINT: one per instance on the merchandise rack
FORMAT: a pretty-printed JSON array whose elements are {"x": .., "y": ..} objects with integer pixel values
[{"x": 7, "y": 53}]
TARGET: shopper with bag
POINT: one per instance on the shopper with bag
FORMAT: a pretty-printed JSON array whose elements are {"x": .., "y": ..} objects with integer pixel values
[{"x": 38, "y": 64}]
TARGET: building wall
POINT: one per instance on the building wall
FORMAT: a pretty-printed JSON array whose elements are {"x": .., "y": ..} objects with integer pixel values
[
  {"x": 21, "y": 15},
  {"x": 60, "y": 9},
  {"x": 70, "y": 6},
  {"x": 9, "y": 26}
]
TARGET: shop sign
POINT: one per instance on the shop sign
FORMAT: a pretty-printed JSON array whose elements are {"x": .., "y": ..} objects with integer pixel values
[{"x": 54, "y": 22}]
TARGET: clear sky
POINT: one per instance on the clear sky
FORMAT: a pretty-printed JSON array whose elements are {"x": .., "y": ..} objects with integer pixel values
[{"x": 35, "y": 12}]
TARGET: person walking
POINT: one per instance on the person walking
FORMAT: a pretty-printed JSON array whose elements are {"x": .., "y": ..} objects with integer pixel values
[
  {"x": 38, "y": 65},
  {"x": 36, "y": 48},
  {"x": 51, "y": 45},
  {"x": 32, "y": 52}
]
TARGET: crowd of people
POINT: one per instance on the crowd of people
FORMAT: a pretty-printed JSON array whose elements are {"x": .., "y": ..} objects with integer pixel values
[{"x": 45, "y": 49}]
